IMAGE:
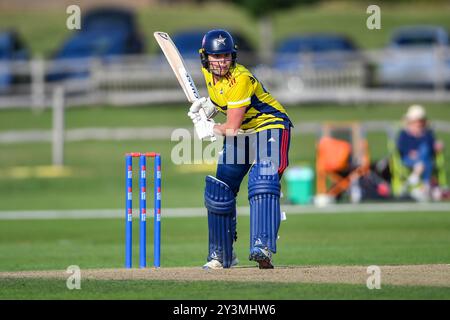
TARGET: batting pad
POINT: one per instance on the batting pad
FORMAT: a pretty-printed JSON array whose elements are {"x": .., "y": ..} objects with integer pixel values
[
  {"x": 264, "y": 197},
  {"x": 221, "y": 205}
]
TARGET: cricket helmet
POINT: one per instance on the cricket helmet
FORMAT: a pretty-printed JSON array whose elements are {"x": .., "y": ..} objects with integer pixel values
[{"x": 217, "y": 41}]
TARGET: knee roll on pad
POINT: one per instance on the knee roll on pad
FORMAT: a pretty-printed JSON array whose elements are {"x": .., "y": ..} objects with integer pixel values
[
  {"x": 264, "y": 197},
  {"x": 221, "y": 205}
]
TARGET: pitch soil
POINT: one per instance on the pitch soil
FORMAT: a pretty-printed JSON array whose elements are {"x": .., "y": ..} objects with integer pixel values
[{"x": 410, "y": 275}]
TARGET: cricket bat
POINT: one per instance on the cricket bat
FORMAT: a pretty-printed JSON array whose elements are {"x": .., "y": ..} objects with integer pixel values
[{"x": 178, "y": 66}]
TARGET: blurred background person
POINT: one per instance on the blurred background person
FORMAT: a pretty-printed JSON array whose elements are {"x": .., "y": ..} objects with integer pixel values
[{"x": 417, "y": 146}]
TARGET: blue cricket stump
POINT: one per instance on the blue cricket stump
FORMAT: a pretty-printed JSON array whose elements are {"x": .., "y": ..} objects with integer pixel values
[
  {"x": 142, "y": 212},
  {"x": 142, "y": 208}
]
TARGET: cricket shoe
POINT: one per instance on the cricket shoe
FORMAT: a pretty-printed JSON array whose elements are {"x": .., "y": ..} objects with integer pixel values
[
  {"x": 216, "y": 264},
  {"x": 421, "y": 193},
  {"x": 263, "y": 256}
]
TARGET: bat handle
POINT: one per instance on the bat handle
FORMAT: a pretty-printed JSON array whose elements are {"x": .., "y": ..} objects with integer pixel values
[{"x": 203, "y": 114}]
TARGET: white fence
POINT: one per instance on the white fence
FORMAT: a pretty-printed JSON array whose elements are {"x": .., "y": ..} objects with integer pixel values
[
  {"x": 59, "y": 135},
  {"x": 372, "y": 76}
]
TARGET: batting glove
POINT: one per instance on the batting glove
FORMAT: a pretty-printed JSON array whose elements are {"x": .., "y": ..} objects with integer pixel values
[
  {"x": 197, "y": 105},
  {"x": 195, "y": 116},
  {"x": 204, "y": 105},
  {"x": 205, "y": 129}
]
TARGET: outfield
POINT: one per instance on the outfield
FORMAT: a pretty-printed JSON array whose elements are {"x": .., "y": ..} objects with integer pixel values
[
  {"x": 344, "y": 239},
  {"x": 96, "y": 168},
  {"x": 320, "y": 256},
  {"x": 96, "y": 181},
  {"x": 305, "y": 240}
]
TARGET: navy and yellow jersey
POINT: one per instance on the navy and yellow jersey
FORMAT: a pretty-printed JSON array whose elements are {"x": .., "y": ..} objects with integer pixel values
[{"x": 241, "y": 89}]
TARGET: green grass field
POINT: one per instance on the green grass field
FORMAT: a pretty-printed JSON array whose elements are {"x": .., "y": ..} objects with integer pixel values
[
  {"x": 176, "y": 290},
  {"x": 96, "y": 179},
  {"x": 97, "y": 182},
  {"x": 97, "y": 167},
  {"x": 345, "y": 239}
]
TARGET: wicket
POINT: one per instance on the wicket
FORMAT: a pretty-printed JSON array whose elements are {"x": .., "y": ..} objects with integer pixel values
[{"x": 142, "y": 208}]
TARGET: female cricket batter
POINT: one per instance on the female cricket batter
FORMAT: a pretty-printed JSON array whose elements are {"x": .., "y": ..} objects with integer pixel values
[{"x": 257, "y": 137}]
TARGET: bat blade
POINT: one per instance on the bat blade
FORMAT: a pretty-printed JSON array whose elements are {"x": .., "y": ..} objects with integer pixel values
[{"x": 177, "y": 64}]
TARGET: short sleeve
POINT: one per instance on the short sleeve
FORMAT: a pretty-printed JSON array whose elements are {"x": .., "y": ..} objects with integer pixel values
[{"x": 241, "y": 93}]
